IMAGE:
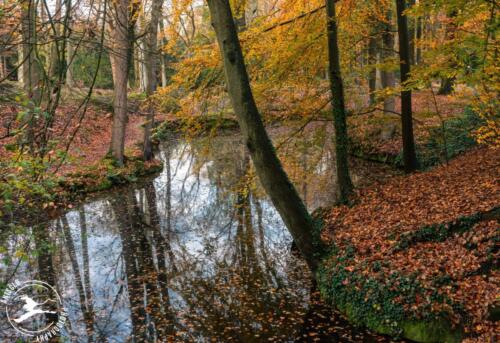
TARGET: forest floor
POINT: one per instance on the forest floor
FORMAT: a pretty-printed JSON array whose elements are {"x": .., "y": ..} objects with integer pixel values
[{"x": 428, "y": 227}]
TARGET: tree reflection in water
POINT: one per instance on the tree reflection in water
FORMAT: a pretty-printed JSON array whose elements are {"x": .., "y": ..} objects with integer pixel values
[{"x": 197, "y": 254}]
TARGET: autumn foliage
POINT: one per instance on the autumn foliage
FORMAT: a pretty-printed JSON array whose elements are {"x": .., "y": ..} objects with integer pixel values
[{"x": 394, "y": 228}]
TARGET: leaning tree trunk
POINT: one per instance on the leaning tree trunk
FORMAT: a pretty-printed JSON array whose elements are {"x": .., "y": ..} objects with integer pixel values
[
  {"x": 150, "y": 57},
  {"x": 267, "y": 165},
  {"x": 344, "y": 182},
  {"x": 409, "y": 155},
  {"x": 120, "y": 62}
]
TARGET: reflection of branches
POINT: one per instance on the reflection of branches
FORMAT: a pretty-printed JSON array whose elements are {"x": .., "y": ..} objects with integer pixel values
[{"x": 88, "y": 316}]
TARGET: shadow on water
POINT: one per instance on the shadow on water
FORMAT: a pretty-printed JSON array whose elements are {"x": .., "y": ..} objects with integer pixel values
[{"x": 197, "y": 254}]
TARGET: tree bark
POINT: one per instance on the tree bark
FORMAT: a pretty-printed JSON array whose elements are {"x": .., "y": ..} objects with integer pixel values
[
  {"x": 20, "y": 59},
  {"x": 30, "y": 68},
  {"x": 372, "y": 77},
  {"x": 418, "y": 38},
  {"x": 411, "y": 35},
  {"x": 252, "y": 8},
  {"x": 448, "y": 82},
  {"x": 3, "y": 62},
  {"x": 55, "y": 63},
  {"x": 164, "y": 57},
  {"x": 120, "y": 62},
  {"x": 267, "y": 165},
  {"x": 70, "y": 81},
  {"x": 387, "y": 77},
  {"x": 344, "y": 182},
  {"x": 150, "y": 59},
  {"x": 409, "y": 154},
  {"x": 239, "y": 10}
]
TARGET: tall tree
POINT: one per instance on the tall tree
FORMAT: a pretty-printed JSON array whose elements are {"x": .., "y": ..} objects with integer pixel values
[
  {"x": 31, "y": 65},
  {"x": 409, "y": 154},
  {"x": 372, "y": 60},
  {"x": 418, "y": 38},
  {"x": 164, "y": 57},
  {"x": 387, "y": 77},
  {"x": 120, "y": 60},
  {"x": 344, "y": 182},
  {"x": 448, "y": 81},
  {"x": 31, "y": 68},
  {"x": 267, "y": 165},
  {"x": 55, "y": 63},
  {"x": 411, "y": 33},
  {"x": 150, "y": 60},
  {"x": 70, "y": 48}
]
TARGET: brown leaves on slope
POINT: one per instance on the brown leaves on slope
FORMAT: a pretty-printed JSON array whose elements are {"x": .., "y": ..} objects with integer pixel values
[
  {"x": 469, "y": 184},
  {"x": 385, "y": 212}
]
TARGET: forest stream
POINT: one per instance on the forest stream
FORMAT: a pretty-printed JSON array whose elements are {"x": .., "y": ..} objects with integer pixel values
[{"x": 195, "y": 254}]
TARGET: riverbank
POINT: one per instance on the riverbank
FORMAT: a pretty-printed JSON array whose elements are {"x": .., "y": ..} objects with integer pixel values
[
  {"x": 417, "y": 256},
  {"x": 85, "y": 169}
]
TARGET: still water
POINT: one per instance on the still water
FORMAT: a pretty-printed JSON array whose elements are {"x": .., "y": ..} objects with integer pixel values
[{"x": 195, "y": 254}]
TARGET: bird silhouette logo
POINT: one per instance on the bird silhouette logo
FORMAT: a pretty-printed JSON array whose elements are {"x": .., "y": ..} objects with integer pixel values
[
  {"x": 35, "y": 308},
  {"x": 32, "y": 308}
]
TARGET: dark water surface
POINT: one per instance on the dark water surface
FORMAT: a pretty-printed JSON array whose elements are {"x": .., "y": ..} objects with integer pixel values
[{"x": 197, "y": 254}]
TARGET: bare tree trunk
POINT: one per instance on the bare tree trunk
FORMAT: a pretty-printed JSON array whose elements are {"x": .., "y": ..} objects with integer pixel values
[
  {"x": 409, "y": 154},
  {"x": 387, "y": 78},
  {"x": 267, "y": 165},
  {"x": 20, "y": 59},
  {"x": 239, "y": 8},
  {"x": 344, "y": 182},
  {"x": 70, "y": 81},
  {"x": 55, "y": 64},
  {"x": 251, "y": 11},
  {"x": 120, "y": 60},
  {"x": 448, "y": 82},
  {"x": 135, "y": 79},
  {"x": 164, "y": 57},
  {"x": 3, "y": 62},
  {"x": 31, "y": 67},
  {"x": 418, "y": 53},
  {"x": 141, "y": 54},
  {"x": 372, "y": 77},
  {"x": 150, "y": 59},
  {"x": 411, "y": 35}
]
